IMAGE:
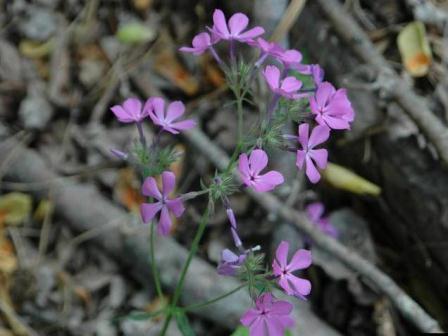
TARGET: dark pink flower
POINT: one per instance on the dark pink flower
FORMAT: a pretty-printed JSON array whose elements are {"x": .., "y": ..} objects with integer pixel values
[
  {"x": 201, "y": 43},
  {"x": 251, "y": 167},
  {"x": 332, "y": 107},
  {"x": 269, "y": 317},
  {"x": 234, "y": 29},
  {"x": 287, "y": 87},
  {"x": 155, "y": 107},
  {"x": 315, "y": 213},
  {"x": 308, "y": 155},
  {"x": 163, "y": 204},
  {"x": 290, "y": 283},
  {"x": 230, "y": 263},
  {"x": 130, "y": 111}
]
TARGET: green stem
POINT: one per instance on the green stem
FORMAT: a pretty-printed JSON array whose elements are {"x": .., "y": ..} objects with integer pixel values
[
  {"x": 154, "y": 268},
  {"x": 239, "y": 103},
  {"x": 180, "y": 283},
  {"x": 218, "y": 298}
]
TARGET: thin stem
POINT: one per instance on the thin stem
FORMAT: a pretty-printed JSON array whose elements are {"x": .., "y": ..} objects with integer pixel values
[
  {"x": 216, "y": 299},
  {"x": 141, "y": 134},
  {"x": 192, "y": 252},
  {"x": 154, "y": 268},
  {"x": 272, "y": 107},
  {"x": 216, "y": 56},
  {"x": 239, "y": 103}
]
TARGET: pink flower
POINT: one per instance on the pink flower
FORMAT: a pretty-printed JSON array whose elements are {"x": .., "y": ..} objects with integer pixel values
[
  {"x": 230, "y": 263},
  {"x": 315, "y": 212},
  {"x": 269, "y": 317},
  {"x": 251, "y": 167},
  {"x": 201, "y": 43},
  {"x": 164, "y": 205},
  {"x": 266, "y": 47},
  {"x": 130, "y": 111},
  {"x": 156, "y": 109},
  {"x": 233, "y": 30},
  {"x": 310, "y": 156},
  {"x": 332, "y": 107},
  {"x": 292, "y": 59},
  {"x": 291, "y": 284},
  {"x": 287, "y": 87}
]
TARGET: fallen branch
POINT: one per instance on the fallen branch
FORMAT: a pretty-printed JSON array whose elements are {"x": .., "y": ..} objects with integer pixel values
[
  {"x": 388, "y": 81},
  {"x": 374, "y": 276}
]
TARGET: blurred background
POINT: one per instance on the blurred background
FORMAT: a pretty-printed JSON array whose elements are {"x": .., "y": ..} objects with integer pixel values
[{"x": 73, "y": 252}]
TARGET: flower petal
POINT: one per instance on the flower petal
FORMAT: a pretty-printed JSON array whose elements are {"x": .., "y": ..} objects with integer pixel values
[
  {"x": 324, "y": 92},
  {"x": 157, "y": 109},
  {"x": 249, "y": 317},
  {"x": 315, "y": 211},
  {"x": 168, "y": 182},
  {"x": 176, "y": 206},
  {"x": 243, "y": 168},
  {"x": 251, "y": 34},
  {"x": 281, "y": 308},
  {"x": 320, "y": 156},
  {"x": 258, "y": 160},
  {"x": 268, "y": 181},
  {"x": 164, "y": 226},
  {"x": 184, "y": 125},
  {"x": 151, "y": 189},
  {"x": 300, "y": 260},
  {"x": 311, "y": 171},
  {"x": 301, "y": 155},
  {"x": 237, "y": 23},
  {"x": 121, "y": 114},
  {"x": 281, "y": 255},
  {"x": 338, "y": 122},
  {"x": 303, "y": 135},
  {"x": 174, "y": 111},
  {"x": 275, "y": 326},
  {"x": 272, "y": 75},
  {"x": 319, "y": 134},
  {"x": 133, "y": 107},
  {"x": 291, "y": 84},
  {"x": 149, "y": 210},
  {"x": 299, "y": 286},
  {"x": 220, "y": 24}
]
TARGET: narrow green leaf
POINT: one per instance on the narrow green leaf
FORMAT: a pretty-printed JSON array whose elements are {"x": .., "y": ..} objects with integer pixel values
[{"x": 183, "y": 324}]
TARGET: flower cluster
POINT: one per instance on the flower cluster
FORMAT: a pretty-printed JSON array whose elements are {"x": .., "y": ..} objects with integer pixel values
[{"x": 298, "y": 93}]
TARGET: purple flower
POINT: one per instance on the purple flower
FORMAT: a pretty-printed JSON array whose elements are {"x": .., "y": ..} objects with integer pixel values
[
  {"x": 332, "y": 107},
  {"x": 230, "y": 263},
  {"x": 130, "y": 111},
  {"x": 287, "y": 87},
  {"x": 164, "y": 205},
  {"x": 315, "y": 212},
  {"x": 310, "y": 156},
  {"x": 269, "y": 317},
  {"x": 233, "y": 30},
  {"x": 292, "y": 59},
  {"x": 251, "y": 167},
  {"x": 201, "y": 43},
  {"x": 266, "y": 47},
  {"x": 156, "y": 109},
  {"x": 291, "y": 284}
]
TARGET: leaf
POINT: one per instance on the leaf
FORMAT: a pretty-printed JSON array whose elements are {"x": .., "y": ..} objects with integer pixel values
[
  {"x": 342, "y": 178},
  {"x": 241, "y": 331},
  {"x": 127, "y": 189},
  {"x": 135, "y": 33},
  {"x": 34, "y": 50},
  {"x": 183, "y": 324},
  {"x": 15, "y": 207},
  {"x": 414, "y": 49},
  {"x": 8, "y": 260},
  {"x": 44, "y": 209}
]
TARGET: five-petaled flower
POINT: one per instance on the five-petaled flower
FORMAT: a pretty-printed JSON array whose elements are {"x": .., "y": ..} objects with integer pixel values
[
  {"x": 250, "y": 168},
  {"x": 201, "y": 43},
  {"x": 290, "y": 283},
  {"x": 234, "y": 30},
  {"x": 156, "y": 109},
  {"x": 230, "y": 263},
  {"x": 287, "y": 87},
  {"x": 315, "y": 213},
  {"x": 268, "y": 317},
  {"x": 130, "y": 111},
  {"x": 332, "y": 107},
  {"x": 164, "y": 205},
  {"x": 308, "y": 155}
]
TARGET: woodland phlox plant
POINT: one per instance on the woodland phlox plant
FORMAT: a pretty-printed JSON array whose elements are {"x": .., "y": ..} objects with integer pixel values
[{"x": 297, "y": 93}]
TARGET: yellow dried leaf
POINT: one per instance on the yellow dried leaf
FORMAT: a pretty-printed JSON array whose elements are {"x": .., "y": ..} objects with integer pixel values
[
  {"x": 44, "y": 209},
  {"x": 414, "y": 49},
  {"x": 15, "y": 207},
  {"x": 33, "y": 49},
  {"x": 342, "y": 178},
  {"x": 8, "y": 260},
  {"x": 127, "y": 189}
]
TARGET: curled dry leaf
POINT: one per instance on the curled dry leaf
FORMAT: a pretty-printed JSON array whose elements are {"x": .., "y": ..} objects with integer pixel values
[
  {"x": 414, "y": 49},
  {"x": 342, "y": 178}
]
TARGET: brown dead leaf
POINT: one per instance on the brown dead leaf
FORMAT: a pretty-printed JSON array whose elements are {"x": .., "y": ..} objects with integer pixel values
[
  {"x": 142, "y": 5},
  {"x": 155, "y": 305},
  {"x": 127, "y": 189},
  {"x": 167, "y": 65},
  {"x": 83, "y": 294},
  {"x": 213, "y": 73}
]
